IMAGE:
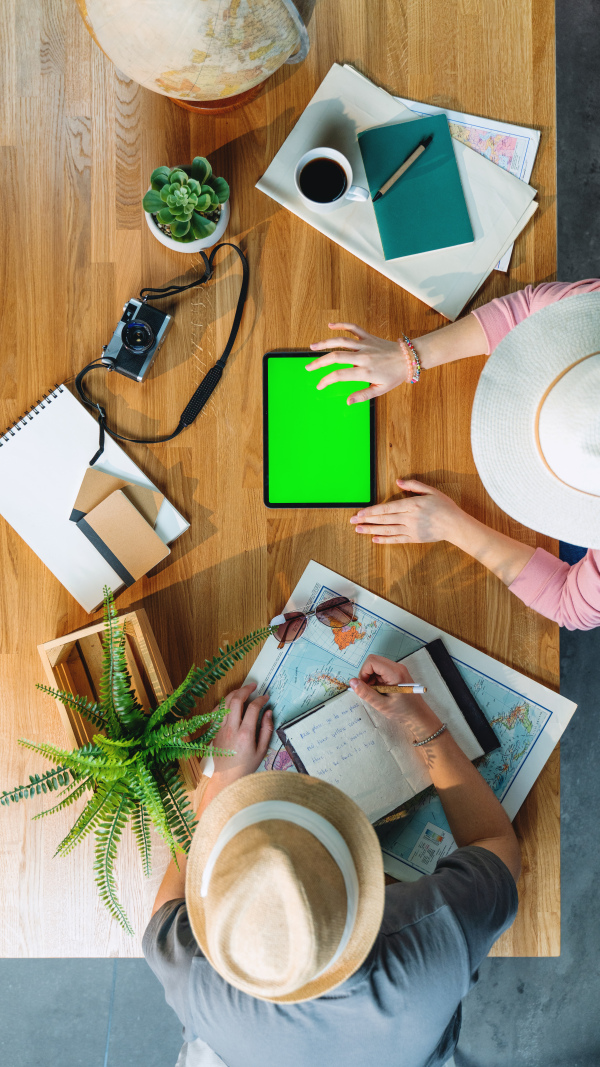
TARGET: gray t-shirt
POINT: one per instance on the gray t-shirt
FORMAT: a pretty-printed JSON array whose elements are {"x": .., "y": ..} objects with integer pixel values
[{"x": 401, "y": 1007}]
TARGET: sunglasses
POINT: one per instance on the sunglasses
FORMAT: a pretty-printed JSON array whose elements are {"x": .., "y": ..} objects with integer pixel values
[{"x": 335, "y": 613}]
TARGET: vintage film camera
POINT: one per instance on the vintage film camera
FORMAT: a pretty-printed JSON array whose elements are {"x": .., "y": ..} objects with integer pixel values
[{"x": 136, "y": 340}]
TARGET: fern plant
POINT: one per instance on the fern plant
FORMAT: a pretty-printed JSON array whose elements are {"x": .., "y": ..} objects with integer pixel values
[{"x": 130, "y": 766}]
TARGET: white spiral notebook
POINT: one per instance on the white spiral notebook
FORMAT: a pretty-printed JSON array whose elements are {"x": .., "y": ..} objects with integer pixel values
[{"x": 43, "y": 458}]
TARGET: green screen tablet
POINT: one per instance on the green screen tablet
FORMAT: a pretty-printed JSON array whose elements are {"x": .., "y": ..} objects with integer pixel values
[{"x": 319, "y": 452}]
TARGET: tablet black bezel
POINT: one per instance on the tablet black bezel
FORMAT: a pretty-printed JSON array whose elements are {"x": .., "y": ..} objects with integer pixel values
[{"x": 302, "y": 354}]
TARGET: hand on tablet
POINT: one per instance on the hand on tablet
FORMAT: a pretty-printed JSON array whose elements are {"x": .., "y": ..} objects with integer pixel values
[
  {"x": 428, "y": 516},
  {"x": 380, "y": 362}
]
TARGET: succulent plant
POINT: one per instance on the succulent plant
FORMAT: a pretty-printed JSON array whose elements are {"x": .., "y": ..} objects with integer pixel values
[{"x": 187, "y": 200}]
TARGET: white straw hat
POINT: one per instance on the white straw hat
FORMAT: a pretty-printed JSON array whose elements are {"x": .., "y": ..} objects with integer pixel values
[
  {"x": 284, "y": 886},
  {"x": 535, "y": 426}
]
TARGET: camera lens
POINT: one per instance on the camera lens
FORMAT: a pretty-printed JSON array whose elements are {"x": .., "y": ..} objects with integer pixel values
[{"x": 137, "y": 336}]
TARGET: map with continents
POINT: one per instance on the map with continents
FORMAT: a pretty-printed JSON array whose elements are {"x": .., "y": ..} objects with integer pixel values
[
  {"x": 506, "y": 150},
  {"x": 320, "y": 664},
  {"x": 423, "y": 837}
]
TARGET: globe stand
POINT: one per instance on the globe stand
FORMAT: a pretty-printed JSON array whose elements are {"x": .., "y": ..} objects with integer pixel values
[{"x": 219, "y": 107}]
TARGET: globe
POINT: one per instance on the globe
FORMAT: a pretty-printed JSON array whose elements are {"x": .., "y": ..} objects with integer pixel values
[{"x": 197, "y": 50}]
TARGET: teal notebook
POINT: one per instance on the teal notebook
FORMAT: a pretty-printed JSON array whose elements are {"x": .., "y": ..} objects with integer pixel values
[{"x": 426, "y": 208}]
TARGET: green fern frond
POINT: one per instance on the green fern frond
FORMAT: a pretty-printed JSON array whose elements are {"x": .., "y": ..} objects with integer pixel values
[
  {"x": 140, "y": 824},
  {"x": 89, "y": 818},
  {"x": 182, "y": 820},
  {"x": 172, "y": 731},
  {"x": 118, "y": 700},
  {"x": 87, "y": 760},
  {"x": 148, "y": 792},
  {"x": 81, "y": 704},
  {"x": 167, "y": 705},
  {"x": 218, "y": 666},
  {"x": 108, "y": 834},
  {"x": 38, "y": 783},
  {"x": 70, "y": 798}
]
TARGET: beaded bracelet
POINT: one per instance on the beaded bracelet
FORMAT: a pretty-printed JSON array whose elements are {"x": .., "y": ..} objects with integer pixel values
[
  {"x": 417, "y": 744},
  {"x": 415, "y": 362}
]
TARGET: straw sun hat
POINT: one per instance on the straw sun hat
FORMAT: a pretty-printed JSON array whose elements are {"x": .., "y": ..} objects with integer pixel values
[
  {"x": 284, "y": 886},
  {"x": 535, "y": 426}
]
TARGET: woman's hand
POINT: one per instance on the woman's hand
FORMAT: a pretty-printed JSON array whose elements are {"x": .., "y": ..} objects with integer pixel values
[
  {"x": 238, "y": 732},
  {"x": 380, "y": 362},
  {"x": 405, "y": 713},
  {"x": 428, "y": 516}
]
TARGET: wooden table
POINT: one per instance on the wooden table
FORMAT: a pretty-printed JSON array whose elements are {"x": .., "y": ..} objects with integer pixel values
[{"x": 78, "y": 144}]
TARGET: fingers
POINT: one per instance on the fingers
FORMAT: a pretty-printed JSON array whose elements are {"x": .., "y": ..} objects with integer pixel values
[
  {"x": 387, "y": 671},
  {"x": 351, "y": 327},
  {"x": 378, "y": 511},
  {"x": 328, "y": 360},
  {"x": 334, "y": 344},
  {"x": 411, "y": 485},
  {"x": 264, "y": 734},
  {"x": 368, "y": 394},
  {"x": 370, "y": 695},
  {"x": 250, "y": 719},
  {"x": 383, "y": 531},
  {"x": 350, "y": 374},
  {"x": 235, "y": 703}
]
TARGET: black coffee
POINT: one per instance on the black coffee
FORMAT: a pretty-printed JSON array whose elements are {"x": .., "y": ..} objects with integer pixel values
[{"x": 322, "y": 180}]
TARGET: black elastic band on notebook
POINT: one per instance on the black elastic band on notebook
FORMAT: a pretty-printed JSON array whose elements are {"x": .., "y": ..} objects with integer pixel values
[{"x": 211, "y": 378}]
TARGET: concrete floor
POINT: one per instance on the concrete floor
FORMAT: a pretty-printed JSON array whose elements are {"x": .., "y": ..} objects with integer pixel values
[{"x": 522, "y": 1013}]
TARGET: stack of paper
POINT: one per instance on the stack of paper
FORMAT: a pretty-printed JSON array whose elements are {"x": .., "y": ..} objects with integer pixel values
[
  {"x": 499, "y": 204},
  {"x": 511, "y": 147}
]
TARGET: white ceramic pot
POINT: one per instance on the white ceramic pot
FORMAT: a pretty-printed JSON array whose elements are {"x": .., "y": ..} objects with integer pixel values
[{"x": 191, "y": 246}]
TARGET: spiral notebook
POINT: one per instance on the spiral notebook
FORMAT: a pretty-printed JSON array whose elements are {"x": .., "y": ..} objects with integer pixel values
[{"x": 43, "y": 458}]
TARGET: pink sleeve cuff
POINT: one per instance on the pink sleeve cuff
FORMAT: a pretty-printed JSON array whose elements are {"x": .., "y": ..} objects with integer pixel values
[
  {"x": 530, "y": 583},
  {"x": 570, "y": 595}
]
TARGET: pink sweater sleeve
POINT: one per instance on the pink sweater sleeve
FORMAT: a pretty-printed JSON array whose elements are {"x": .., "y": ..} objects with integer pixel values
[
  {"x": 500, "y": 316},
  {"x": 568, "y": 595}
]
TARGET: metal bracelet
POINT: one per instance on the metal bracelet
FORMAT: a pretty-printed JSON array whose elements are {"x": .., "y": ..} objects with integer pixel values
[{"x": 417, "y": 744}]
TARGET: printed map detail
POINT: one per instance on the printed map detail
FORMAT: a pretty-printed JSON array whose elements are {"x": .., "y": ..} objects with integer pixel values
[
  {"x": 505, "y": 150},
  {"x": 320, "y": 664},
  {"x": 517, "y": 724}
]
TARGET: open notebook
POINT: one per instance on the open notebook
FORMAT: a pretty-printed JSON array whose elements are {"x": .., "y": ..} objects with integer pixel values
[
  {"x": 348, "y": 744},
  {"x": 43, "y": 459}
]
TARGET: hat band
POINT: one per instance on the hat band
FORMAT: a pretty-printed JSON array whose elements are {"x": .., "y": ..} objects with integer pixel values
[
  {"x": 538, "y": 413},
  {"x": 315, "y": 824}
]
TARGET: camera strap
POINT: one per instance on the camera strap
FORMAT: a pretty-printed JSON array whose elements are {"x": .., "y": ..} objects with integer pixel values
[{"x": 211, "y": 378}]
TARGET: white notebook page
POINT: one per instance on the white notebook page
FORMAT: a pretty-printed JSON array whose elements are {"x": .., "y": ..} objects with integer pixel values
[{"x": 43, "y": 459}]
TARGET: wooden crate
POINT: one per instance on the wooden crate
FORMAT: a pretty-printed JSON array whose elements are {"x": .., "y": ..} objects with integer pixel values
[{"x": 74, "y": 663}]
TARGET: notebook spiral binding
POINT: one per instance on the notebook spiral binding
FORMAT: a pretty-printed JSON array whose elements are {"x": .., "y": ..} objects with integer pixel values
[{"x": 20, "y": 424}]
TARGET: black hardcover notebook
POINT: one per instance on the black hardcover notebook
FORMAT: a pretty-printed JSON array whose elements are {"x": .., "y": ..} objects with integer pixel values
[{"x": 346, "y": 743}]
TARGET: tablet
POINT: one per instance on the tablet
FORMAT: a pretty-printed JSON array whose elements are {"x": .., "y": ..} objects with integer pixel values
[{"x": 319, "y": 452}]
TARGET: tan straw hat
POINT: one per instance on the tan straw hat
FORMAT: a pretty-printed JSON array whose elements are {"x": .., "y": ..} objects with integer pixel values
[
  {"x": 284, "y": 886},
  {"x": 535, "y": 427}
]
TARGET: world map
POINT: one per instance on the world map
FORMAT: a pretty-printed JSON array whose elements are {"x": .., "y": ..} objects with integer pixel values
[{"x": 319, "y": 665}]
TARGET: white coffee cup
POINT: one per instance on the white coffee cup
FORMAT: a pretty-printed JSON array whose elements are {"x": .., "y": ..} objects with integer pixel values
[{"x": 351, "y": 192}]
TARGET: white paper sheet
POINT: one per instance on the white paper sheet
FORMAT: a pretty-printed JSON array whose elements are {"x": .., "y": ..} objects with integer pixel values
[{"x": 499, "y": 204}]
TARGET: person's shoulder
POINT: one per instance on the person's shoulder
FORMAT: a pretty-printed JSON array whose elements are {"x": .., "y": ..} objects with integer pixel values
[
  {"x": 468, "y": 901},
  {"x": 550, "y": 292},
  {"x": 468, "y": 880}
]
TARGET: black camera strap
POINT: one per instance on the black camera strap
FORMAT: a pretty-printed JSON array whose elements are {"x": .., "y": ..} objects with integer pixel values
[{"x": 211, "y": 378}]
